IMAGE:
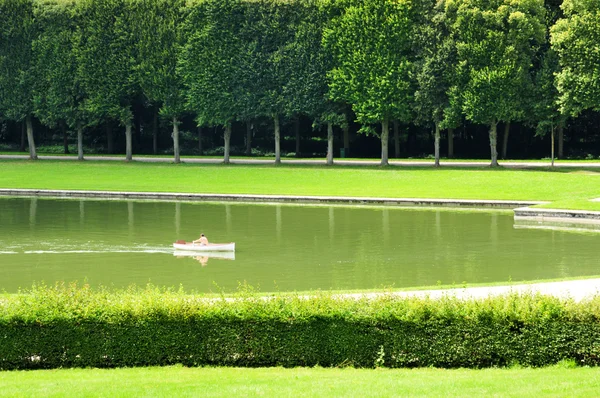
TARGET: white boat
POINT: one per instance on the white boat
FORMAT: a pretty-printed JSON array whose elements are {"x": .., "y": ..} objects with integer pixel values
[{"x": 211, "y": 247}]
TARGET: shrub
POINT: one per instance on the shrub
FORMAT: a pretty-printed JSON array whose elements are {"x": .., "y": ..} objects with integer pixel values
[{"x": 71, "y": 326}]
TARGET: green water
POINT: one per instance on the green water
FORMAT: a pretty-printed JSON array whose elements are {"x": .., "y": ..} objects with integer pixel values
[{"x": 278, "y": 247}]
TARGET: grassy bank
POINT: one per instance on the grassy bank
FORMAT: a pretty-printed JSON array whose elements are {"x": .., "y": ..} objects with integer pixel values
[
  {"x": 560, "y": 380},
  {"x": 575, "y": 188}
]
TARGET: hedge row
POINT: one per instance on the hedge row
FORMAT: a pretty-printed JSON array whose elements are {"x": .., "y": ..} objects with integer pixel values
[{"x": 71, "y": 326}]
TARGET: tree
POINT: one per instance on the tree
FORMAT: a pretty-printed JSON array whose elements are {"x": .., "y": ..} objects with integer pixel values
[
  {"x": 496, "y": 42},
  {"x": 18, "y": 30},
  {"x": 576, "y": 39},
  {"x": 435, "y": 70},
  {"x": 57, "y": 95},
  {"x": 306, "y": 90},
  {"x": 268, "y": 29},
  {"x": 157, "y": 27},
  {"x": 212, "y": 64},
  {"x": 108, "y": 62},
  {"x": 547, "y": 112},
  {"x": 372, "y": 56}
]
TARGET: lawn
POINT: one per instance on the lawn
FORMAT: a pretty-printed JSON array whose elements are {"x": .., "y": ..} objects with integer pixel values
[
  {"x": 572, "y": 187},
  {"x": 177, "y": 381}
]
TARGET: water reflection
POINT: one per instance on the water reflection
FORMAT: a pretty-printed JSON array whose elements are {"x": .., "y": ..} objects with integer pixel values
[
  {"x": 278, "y": 222},
  {"x": 81, "y": 212},
  {"x": 177, "y": 218},
  {"x": 33, "y": 211},
  {"x": 202, "y": 258},
  {"x": 130, "y": 217}
]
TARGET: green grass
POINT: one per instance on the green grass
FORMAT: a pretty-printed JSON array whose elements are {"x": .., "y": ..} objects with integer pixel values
[
  {"x": 176, "y": 381},
  {"x": 456, "y": 183},
  {"x": 572, "y": 188}
]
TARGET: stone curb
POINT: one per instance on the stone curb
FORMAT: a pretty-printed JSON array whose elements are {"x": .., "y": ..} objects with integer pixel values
[
  {"x": 201, "y": 197},
  {"x": 557, "y": 215}
]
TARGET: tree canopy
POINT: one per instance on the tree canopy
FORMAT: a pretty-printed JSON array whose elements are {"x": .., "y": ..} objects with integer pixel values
[{"x": 433, "y": 64}]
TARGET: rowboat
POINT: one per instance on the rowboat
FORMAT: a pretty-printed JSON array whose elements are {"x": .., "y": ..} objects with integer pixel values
[{"x": 211, "y": 247}]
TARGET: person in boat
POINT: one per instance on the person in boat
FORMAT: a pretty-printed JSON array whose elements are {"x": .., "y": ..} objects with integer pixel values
[{"x": 203, "y": 241}]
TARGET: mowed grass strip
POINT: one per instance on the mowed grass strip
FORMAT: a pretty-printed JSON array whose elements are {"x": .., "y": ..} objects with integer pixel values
[
  {"x": 178, "y": 381},
  {"x": 400, "y": 182}
]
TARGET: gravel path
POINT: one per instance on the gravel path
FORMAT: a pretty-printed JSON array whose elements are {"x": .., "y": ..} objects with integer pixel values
[
  {"x": 415, "y": 163},
  {"x": 578, "y": 290}
]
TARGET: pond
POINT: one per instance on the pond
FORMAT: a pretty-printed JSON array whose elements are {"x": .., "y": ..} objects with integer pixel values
[{"x": 278, "y": 247}]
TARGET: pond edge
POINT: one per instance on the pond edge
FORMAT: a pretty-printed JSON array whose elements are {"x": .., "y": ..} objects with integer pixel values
[
  {"x": 211, "y": 197},
  {"x": 522, "y": 209}
]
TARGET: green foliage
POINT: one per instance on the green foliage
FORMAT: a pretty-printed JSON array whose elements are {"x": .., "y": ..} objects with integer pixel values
[
  {"x": 70, "y": 326},
  {"x": 214, "y": 61},
  {"x": 269, "y": 30},
  {"x": 426, "y": 62},
  {"x": 57, "y": 96},
  {"x": 18, "y": 30},
  {"x": 157, "y": 28},
  {"x": 306, "y": 89},
  {"x": 107, "y": 58},
  {"x": 372, "y": 59},
  {"x": 435, "y": 66},
  {"x": 496, "y": 43},
  {"x": 576, "y": 39},
  {"x": 546, "y": 107}
]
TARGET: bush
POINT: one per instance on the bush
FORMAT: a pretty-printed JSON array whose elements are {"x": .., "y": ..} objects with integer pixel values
[{"x": 71, "y": 326}]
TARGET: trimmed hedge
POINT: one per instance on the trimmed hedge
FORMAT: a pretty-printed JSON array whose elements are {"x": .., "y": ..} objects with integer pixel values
[{"x": 71, "y": 326}]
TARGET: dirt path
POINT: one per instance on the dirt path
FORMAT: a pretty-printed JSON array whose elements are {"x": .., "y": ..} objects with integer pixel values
[
  {"x": 577, "y": 290},
  {"x": 367, "y": 162}
]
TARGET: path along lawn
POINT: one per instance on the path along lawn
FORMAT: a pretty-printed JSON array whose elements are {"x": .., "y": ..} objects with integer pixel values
[
  {"x": 573, "y": 187},
  {"x": 177, "y": 381}
]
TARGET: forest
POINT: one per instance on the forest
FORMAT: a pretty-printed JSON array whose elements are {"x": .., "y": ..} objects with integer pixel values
[{"x": 493, "y": 79}]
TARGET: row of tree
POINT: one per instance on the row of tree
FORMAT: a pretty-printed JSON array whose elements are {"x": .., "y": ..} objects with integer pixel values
[{"x": 435, "y": 63}]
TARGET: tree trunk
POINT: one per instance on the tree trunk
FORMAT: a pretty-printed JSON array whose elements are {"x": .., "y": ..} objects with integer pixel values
[
  {"x": 248, "y": 138},
  {"x": 155, "y": 133},
  {"x": 277, "y": 140},
  {"x": 79, "y": 141},
  {"x": 385, "y": 133},
  {"x": 560, "y": 141},
  {"x": 227, "y": 137},
  {"x": 109, "y": 138},
  {"x": 329, "y": 144},
  {"x": 505, "y": 139},
  {"x": 346, "y": 140},
  {"x": 450, "y": 143},
  {"x": 437, "y": 144},
  {"x": 63, "y": 127},
  {"x": 297, "y": 131},
  {"x": 200, "y": 150},
  {"x": 23, "y": 136},
  {"x": 176, "y": 140},
  {"x": 396, "y": 139},
  {"x": 30, "y": 141},
  {"x": 493, "y": 139},
  {"x": 128, "y": 141},
  {"x": 552, "y": 145}
]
